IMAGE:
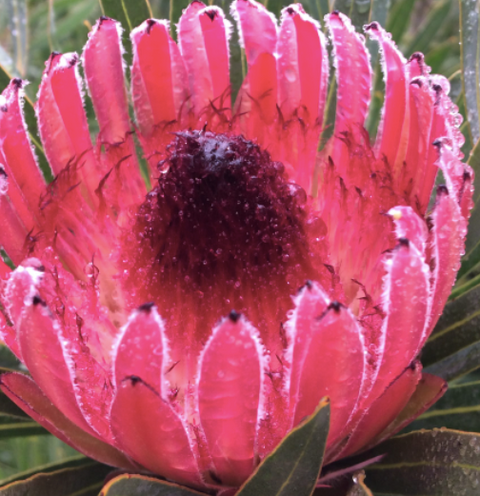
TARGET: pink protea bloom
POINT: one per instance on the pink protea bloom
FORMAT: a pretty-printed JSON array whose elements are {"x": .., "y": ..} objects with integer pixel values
[{"x": 163, "y": 327}]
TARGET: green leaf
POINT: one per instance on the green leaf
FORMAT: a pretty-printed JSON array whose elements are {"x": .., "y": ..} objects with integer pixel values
[
  {"x": 458, "y": 364},
  {"x": 399, "y": 19},
  {"x": 8, "y": 407},
  {"x": 430, "y": 28},
  {"x": 21, "y": 429},
  {"x": 294, "y": 466},
  {"x": 440, "y": 462},
  {"x": 139, "y": 485},
  {"x": 456, "y": 338},
  {"x": 85, "y": 480},
  {"x": 469, "y": 27},
  {"x": 459, "y": 408},
  {"x": 73, "y": 461}
]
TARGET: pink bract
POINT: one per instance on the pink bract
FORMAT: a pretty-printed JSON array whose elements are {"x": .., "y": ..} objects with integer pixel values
[{"x": 163, "y": 327}]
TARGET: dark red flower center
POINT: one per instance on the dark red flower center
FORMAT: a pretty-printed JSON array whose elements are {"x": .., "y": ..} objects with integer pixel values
[{"x": 223, "y": 229}]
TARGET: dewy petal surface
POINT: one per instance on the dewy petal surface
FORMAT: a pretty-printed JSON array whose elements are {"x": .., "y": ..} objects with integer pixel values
[
  {"x": 230, "y": 391},
  {"x": 123, "y": 311}
]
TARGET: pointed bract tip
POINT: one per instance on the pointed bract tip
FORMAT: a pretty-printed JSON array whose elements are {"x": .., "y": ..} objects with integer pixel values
[
  {"x": 418, "y": 56},
  {"x": 442, "y": 190},
  {"x": 336, "y": 306},
  {"x": 150, "y": 24},
  {"x": 234, "y": 316},
  {"x": 211, "y": 14},
  {"x": 308, "y": 284},
  {"x": 17, "y": 83},
  {"x": 146, "y": 307},
  {"x": 36, "y": 300},
  {"x": 373, "y": 26}
]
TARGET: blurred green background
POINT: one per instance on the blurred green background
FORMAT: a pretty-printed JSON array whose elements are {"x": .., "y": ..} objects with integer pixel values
[{"x": 31, "y": 29}]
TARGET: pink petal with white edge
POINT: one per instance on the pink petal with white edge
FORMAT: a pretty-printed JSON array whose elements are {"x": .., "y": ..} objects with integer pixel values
[
  {"x": 416, "y": 169},
  {"x": 390, "y": 404},
  {"x": 13, "y": 233},
  {"x": 258, "y": 35},
  {"x": 302, "y": 65},
  {"x": 445, "y": 127},
  {"x": 230, "y": 397},
  {"x": 158, "y": 87},
  {"x": 148, "y": 429},
  {"x": 23, "y": 391},
  {"x": 428, "y": 391},
  {"x": 62, "y": 120},
  {"x": 104, "y": 73},
  {"x": 354, "y": 81},
  {"x": 39, "y": 339},
  {"x": 392, "y": 136},
  {"x": 410, "y": 225},
  {"x": 333, "y": 335},
  {"x": 21, "y": 287},
  {"x": 103, "y": 63},
  {"x": 203, "y": 34},
  {"x": 257, "y": 28},
  {"x": 16, "y": 145},
  {"x": 447, "y": 241},
  {"x": 406, "y": 305},
  {"x": 453, "y": 169},
  {"x": 142, "y": 349}
]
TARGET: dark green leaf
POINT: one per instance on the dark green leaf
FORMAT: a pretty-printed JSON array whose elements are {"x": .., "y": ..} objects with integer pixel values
[
  {"x": 7, "y": 359},
  {"x": 459, "y": 408},
  {"x": 469, "y": 27},
  {"x": 294, "y": 466},
  {"x": 457, "y": 331},
  {"x": 21, "y": 429},
  {"x": 427, "y": 463},
  {"x": 8, "y": 407},
  {"x": 139, "y": 485},
  {"x": 85, "y": 480},
  {"x": 430, "y": 28},
  {"x": 458, "y": 364},
  {"x": 399, "y": 18},
  {"x": 74, "y": 461}
]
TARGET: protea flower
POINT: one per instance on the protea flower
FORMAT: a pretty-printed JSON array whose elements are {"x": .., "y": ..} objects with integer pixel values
[{"x": 163, "y": 326}]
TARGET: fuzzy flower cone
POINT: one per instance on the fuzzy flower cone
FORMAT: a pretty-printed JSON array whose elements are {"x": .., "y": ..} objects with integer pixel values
[{"x": 163, "y": 326}]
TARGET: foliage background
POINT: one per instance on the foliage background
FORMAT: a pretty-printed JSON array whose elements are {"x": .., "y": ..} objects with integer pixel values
[{"x": 31, "y": 29}]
